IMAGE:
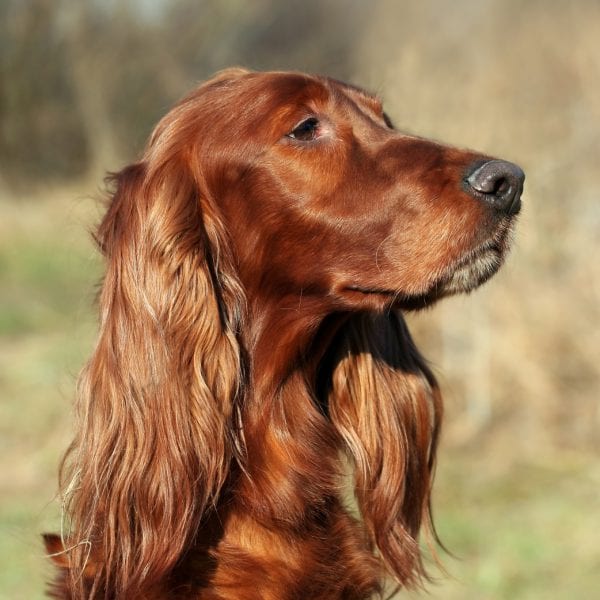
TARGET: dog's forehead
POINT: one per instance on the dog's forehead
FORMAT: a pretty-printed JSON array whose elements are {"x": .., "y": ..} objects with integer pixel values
[
  {"x": 274, "y": 102},
  {"x": 299, "y": 88},
  {"x": 292, "y": 91}
]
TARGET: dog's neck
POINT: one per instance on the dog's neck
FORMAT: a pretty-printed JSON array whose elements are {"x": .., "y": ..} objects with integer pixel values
[
  {"x": 281, "y": 340},
  {"x": 285, "y": 509},
  {"x": 291, "y": 445}
]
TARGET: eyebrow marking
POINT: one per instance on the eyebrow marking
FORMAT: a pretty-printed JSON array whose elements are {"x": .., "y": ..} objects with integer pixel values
[{"x": 363, "y": 100}]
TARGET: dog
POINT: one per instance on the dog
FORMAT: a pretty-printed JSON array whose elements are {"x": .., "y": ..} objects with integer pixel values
[{"x": 259, "y": 259}]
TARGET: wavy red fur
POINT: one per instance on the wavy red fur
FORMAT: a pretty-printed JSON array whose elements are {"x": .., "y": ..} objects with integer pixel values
[{"x": 258, "y": 259}]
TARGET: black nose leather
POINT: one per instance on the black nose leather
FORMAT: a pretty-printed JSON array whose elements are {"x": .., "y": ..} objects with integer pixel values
[{"x": 498, "y": 183}]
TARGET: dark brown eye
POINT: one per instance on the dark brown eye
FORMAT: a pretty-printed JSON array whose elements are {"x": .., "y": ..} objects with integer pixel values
[
  {"x": 306, "y": 131},
  {"x": 388, "y": 121}
]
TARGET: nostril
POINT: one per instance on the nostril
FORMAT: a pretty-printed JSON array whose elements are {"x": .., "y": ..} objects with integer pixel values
[
  {"x": 499, "y": 183},
  {"x": 501, "y": 187}
]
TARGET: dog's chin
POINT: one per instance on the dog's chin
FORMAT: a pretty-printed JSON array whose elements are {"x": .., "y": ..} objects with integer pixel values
[
  {"x": 463, "y": 277},
  {"x": 473, "y": 272}
]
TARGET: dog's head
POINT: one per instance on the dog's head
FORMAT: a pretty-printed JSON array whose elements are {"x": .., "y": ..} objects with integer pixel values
[{"x": 321, "y": 195}]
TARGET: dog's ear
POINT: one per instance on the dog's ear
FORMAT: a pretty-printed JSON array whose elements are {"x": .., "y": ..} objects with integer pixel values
[
  {"x": 385, "y": 403},
  {"x": 157, "y": 399}
]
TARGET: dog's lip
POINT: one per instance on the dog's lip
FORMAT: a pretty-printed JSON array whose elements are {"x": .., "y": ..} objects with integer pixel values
[
  {"x": 371, "y": 291},
  {"x": 398, "y": 299}
]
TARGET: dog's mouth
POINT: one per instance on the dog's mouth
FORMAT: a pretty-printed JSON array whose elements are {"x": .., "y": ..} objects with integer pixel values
[{"x": 462, "y": 276}]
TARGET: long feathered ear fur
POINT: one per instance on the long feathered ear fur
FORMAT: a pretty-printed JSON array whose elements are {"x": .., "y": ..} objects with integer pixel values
[
  {"x": 155, "y": 402},
  {"x": 386, "y": 405}
]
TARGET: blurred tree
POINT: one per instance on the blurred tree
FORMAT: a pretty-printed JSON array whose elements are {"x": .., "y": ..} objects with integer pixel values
[
  {"x": 83, "y": 81},
  {"x": 39, "y": 131}
]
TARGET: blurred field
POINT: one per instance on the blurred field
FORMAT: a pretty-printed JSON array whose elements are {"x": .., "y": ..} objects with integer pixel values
[
  {"x": 517, "y": 496},
  {"x": 48, "y": 275}
]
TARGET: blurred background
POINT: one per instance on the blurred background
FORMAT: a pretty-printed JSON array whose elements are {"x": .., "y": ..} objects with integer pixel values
[{"x": 517, "y": 497}]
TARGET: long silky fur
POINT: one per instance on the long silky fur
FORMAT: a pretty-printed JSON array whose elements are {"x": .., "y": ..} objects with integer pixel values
[
  {"x": 386, "y": 405},
  {"x": 162, "y": 384}
]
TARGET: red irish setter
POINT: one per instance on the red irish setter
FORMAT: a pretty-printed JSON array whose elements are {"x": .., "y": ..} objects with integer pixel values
[{"x": 258, "y": 260}]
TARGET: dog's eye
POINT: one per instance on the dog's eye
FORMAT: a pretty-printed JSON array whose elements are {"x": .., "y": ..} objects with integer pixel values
[
  {"x": 306, "y": 131},
  {"x": 388, "y": 121}
]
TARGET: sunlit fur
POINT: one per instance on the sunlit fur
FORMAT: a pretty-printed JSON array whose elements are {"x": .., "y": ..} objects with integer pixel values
[
  {"x": 385, "y": 403},
  {"x": 251, "y": 336}
]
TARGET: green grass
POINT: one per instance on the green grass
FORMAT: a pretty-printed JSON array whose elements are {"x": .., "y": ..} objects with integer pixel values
[
  {"x": 48, "y": 271},
  {"x": 524, "y": 529},
  {"x": 520, "y": 530}
]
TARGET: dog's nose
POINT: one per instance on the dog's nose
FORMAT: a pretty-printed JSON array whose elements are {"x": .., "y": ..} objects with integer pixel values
[{"x": 499, "y": 183}]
